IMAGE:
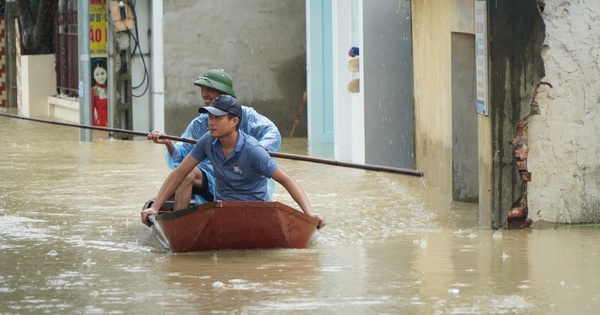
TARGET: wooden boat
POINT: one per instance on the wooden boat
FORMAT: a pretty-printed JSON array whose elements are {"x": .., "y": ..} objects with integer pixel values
[{"x": 222, "y": 225}]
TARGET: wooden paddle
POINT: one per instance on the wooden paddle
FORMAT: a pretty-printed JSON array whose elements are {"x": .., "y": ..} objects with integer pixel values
[{"x": 273, "y": 154}]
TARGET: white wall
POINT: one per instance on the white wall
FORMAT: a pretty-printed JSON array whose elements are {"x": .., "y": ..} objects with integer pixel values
[
  {"x": 565, "y": 139},
  {"x": 349, "y": 144},
  {"x": 38, "y": 80}
]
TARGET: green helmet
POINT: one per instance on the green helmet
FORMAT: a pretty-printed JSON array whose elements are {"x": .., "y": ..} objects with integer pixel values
[{"x": 217, "y": 79}]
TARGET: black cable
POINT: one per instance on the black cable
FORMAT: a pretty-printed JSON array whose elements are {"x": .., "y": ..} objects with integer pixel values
[{"x": 137, "y": 47}]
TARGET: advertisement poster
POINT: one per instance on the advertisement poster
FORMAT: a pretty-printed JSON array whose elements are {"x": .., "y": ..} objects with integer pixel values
[
  {"x": 481, "y": 66},
  {"x": 98, "y": 60}
]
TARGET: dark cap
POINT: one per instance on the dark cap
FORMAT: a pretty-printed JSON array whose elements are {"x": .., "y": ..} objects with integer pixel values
[{"x": 222, "y": 105}]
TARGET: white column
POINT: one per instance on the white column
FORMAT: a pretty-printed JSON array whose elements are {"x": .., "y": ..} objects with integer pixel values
[{"x": 157, "y": 111}]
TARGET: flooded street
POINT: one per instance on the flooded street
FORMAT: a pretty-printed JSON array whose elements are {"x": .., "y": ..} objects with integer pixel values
[{"x": 71, "y": 242}]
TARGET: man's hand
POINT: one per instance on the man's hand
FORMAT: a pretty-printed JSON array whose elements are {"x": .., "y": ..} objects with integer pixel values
[
  {"x": 155, "y": 137},
  {"x": 146, "y": 213},
  {"x": 322, "y": 221}
]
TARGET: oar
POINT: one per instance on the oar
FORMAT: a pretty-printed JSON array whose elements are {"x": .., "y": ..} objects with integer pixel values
[
  {"x": 347, "y": 164},
  {"x": 131, "y": 132},
  {"x": 273, "y": 154}
]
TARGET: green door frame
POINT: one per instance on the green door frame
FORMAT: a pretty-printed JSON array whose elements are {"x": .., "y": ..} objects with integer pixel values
[{"x": 320, "y": 74}]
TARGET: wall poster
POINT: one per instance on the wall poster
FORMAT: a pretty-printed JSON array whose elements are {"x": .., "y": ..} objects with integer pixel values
[
  {"x": 98, "y": 60},
  {"x": 481, "y": 67}
]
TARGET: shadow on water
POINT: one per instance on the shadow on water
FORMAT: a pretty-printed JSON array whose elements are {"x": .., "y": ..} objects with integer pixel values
[{"x": 71, "y": 242}]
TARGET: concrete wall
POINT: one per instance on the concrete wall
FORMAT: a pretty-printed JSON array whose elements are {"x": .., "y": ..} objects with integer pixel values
[
  {"x": 38, "y": 80},
  {"x": 388, "y": 88},
  {"x": 64, "y": 108},
  {"x": 564, "y": 140},
  {"x": 465, "y": 181},
  {"x": 261, "y": 43},
  {"x": 516, "y": 34},
  {"x": 433, "y": 24}
]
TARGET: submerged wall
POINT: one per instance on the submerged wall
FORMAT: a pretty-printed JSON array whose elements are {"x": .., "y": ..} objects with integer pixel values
[
  {"x": 515, "y": 35},
  {"x": 261, "y": 43},
  {"x": 516, "y": 68},
  {"x": 386, "y": 55},
  {"x": 565, "y": 138},
  {"x": 431, "y": 43},
  {"x": 542, "y": 151},
  {"x": 434, "y": 22},
  {"x": 38, "y": 80}
]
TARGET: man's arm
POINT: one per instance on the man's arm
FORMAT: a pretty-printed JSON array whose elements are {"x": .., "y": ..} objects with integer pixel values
[
  {"x": 176, "y": 152},
  {"x": 263, "y": 129},
  {"x": 168, "y": 188},
  {"x": 298, "y": 194},
  {"x": 156, "y": 135}
]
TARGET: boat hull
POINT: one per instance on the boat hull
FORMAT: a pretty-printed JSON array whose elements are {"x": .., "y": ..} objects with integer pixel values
[{"x": 234, "y": 225}]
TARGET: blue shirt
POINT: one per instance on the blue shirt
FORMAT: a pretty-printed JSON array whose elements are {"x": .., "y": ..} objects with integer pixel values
[
  {"x": 253, "y": 123},
  {"x": 244, "y": 174}
]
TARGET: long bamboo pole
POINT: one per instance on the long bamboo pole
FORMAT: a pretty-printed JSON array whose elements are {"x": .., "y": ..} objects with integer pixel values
[
  {"x": 273, "y": 154},
  {"x": 131, "y": 132}
]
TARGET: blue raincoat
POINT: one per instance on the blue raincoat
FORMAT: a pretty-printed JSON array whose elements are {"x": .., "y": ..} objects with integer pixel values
[{"x": 253, "y": 123}]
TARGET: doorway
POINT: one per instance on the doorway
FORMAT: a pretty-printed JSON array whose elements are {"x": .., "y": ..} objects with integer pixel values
[{"x": 465, "y": 176}]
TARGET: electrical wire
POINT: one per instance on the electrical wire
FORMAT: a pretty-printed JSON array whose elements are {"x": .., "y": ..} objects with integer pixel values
[
  {"x": 146, "y": 77},
  {"x": 136, "y": 48}
]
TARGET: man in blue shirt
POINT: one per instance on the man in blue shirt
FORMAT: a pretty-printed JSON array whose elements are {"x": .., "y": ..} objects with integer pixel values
[
  {"x": 199, "y": 183},
  {"x": 241, "y": 165}
]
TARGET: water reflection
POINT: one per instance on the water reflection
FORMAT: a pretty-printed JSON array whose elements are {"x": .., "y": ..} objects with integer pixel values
[{"x": 71, "y": 242}]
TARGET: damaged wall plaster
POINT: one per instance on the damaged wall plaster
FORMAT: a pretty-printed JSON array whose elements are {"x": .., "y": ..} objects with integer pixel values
[
  {"x": 564, "y": 140},
  {"x": 516, "y": 69}
]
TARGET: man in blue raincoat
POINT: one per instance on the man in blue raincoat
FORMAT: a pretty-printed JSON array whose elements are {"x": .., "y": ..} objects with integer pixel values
[{"x": 200, "y": 183}]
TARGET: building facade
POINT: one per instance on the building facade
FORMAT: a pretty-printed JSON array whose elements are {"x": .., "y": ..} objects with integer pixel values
[{"x": 532, "y": 155}]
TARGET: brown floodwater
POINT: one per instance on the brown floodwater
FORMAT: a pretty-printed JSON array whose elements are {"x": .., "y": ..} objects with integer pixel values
[{"x": 71, "y": 242}]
